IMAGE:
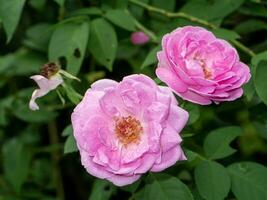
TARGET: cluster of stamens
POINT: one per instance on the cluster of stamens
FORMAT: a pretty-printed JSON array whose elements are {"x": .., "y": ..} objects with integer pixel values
[
  {"x": 128, "y": 130},
  {"x": 49, "y": 69}
]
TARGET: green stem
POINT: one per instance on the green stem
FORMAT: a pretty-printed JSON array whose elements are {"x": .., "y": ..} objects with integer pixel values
[
  {"x": 146, "y": 31},
  {"x": 53, "y": 137},
  {"x": 192, "y": 19}
]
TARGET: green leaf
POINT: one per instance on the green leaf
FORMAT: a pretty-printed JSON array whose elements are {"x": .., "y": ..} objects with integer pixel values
[
  {"x": 68, "y": 130},
  {"x": 216, "y": 144},
  {"x": 165, "y": 187},
  {"x": 249, "y": 180},
  {"x": 70, "y": 145},
  {"x": 16, "y": 160},
  {"x": 69, "y": 40},
  {"x": 10, "y": 12},
  {"x": 166, "y": 4},
  {"x": 250, "y": 25},
  {"x": 193, "y": 112},
  {"x": 87, "y": 11},
  {"x": 121, "y": 18},
  {"x": 259, "y": 57},
  {"x": 23, "y": 112},
  {"x": 60, "y": 2},
  {"x": 261, "y": 128},
  {"x": 103, "y": 42},
  {"x": 38, "y": 36},
  {"x": 73, "y": 96},
  {"x": 151, "y": 57},
  {"x": 212, "y": 180},
  {"x": 102, "y": 190},
  {"x": 213, "y": 11},
  {"x": 260, "y": 78},
  {"x": 225, "y": 34}
]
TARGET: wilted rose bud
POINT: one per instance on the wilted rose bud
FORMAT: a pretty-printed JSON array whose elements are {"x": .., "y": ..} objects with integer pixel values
[{"x": 139, "y": 38}]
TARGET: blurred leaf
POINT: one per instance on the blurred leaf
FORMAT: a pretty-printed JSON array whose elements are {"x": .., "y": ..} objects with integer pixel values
[
  {"x": 121, "y": 18},
  {"x": 102, "y": 190},
  {"x": 87, "y": 11},
  {"x": 249, "y": 180},
  {"x": 70, "y": 145},
  {"x": 213, "y": 11},
  {"x": 193, "y": 112},
  {"x": 22, "y": 111},
  {"x": 261, "y": 128},
  {"x": 257, "y": 58},
  {"x": 138, "y": 11},
  {"x": 151, "y": 57},
  {"x": 10, "y": 12},
  {"x": 132, "y": 187},
  {"x": 260, "y": 78},
  {"x": 250, "y": 25},
  {"x": 254, "y": 10},
  {"x": 103, "y": 42},
  {"x": 60, "y": 2},
  {"x": 216, "y": 144},
  {"x": 212, "y": 180},
  {"x": 16, "y": 160},
  {"x": 225, "y": 34},
  {"x": 166, "y": 4},
  {"x": 41, "y": 169},
  {"x": 37, "y": 4},
  {"x": 190, "y": 155},
  {"x": 69, "y": 40},
  {"x": 73, "y": 96},
  {"x": 68, "y": 130},
  {"x": 163, "y": 187},
  {"x": 38, "y": 36}
]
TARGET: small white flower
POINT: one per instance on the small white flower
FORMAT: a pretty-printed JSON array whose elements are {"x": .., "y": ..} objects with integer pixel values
[{"x": 45, "y": 86}]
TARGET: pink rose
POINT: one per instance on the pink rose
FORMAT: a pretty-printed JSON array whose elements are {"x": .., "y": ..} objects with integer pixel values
[
  {"x": 125, "y": 129},
  {"x": 139, "y": 38},
  {"x": 200, "y": 67}
]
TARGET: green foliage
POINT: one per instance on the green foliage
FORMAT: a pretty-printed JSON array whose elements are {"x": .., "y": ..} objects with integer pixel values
[
  {"x": 212, "y": 180},
  {"x": 164, "y": 187},
  {"x": 103, "y": 42},
  {"x": 101, "y": 190},
  {"x": 10, "y": 8},
  {"x": 216, "y": 144},
  {"x": 69, "y": 41},
  {"x": 249, "y": 180}
]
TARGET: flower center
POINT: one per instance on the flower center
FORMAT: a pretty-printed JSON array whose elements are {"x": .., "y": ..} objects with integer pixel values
[
  {"x": 128, "y": 130},
  {"x": 205, "y": 69},
  {"x": 49, "y": 69}
]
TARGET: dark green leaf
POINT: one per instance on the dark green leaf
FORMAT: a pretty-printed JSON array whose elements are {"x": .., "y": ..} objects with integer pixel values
[
  {"x": 212, "y": 180},
  {"x": 151, "y": 57},
  {"x": 103, "y": 42},
  {"x": 249, "y": 180},
  {"x": 16, "y": 163},
  {"x": 70, "y": 145},
  {"x": 68, "y": 130},
  {"x": 225, "y": 34},
  {"x": 10, "y": 12},
  {"x": 260, "y": 80},
  {"x": 216, "y": 144},
  {"x": 166, "y": 187},
  {"x": 69, "y": 40},
  {"x": 102, "y": 190},
  {"x": 60, "y": 2},
  {"x": 121, "y": 18},
  {"x": 87, "y": 11},
  {"x": 193, "y": 112}
]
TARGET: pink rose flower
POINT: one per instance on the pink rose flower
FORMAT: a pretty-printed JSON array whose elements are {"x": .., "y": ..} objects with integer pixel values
[
  {"x": 125, "y": 129},
  {"x": 139, "y": 38},
  {"x": 201, "y": 68}
]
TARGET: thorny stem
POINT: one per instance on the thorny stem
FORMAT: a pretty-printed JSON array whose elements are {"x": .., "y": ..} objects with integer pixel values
[
  {"x": 53, "y": 137},
  {"x": 190, "y": 18}
]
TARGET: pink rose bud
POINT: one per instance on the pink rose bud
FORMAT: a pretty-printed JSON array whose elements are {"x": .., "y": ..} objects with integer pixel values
[
  {"x": 139, "y": 38},
  {"x": 124, "y": 129},
  {"x": 49, "y": 80},
  {"x": 201, "y": 68}
]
